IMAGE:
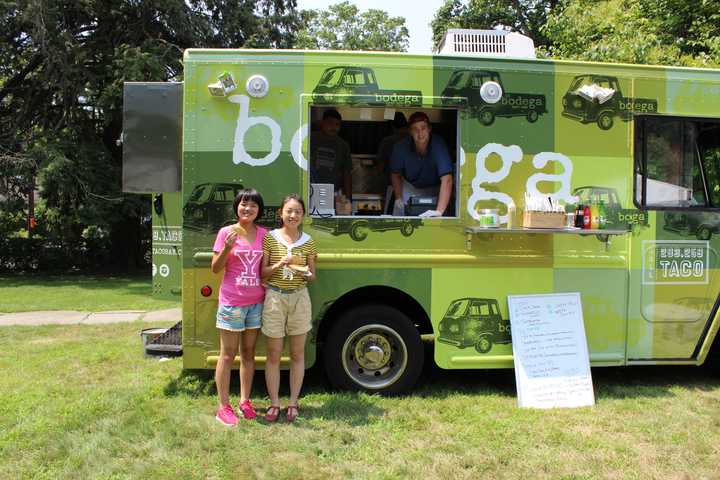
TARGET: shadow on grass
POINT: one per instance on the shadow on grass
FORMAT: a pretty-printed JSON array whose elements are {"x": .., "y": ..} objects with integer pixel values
[
  {"x": 651, "y": 381},
  {"x": 609, "y": 383},
  {"x": 351, "y": 408},
  {"x": 354, "y": 409},
  {"x": 192, "y": 383}
]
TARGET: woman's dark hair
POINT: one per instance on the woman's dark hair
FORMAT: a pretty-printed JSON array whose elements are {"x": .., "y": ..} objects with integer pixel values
[
  {"x": 293, "y": 196},
  {"x": 249, "y": 195}
]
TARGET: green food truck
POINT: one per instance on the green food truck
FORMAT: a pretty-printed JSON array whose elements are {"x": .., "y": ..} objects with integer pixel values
[{"x": 650, "y": 289}]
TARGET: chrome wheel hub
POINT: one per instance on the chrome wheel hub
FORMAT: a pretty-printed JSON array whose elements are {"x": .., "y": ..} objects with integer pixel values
[
  {"x": 372, "y": 351},
  {"x": 374, "y": 356}
]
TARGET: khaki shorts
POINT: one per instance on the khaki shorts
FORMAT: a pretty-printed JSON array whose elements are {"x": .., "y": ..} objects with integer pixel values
[{"x": 286, "y": 313}]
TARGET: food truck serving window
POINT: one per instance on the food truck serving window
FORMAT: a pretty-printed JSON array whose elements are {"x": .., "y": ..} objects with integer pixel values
[
  {"x": 361, "y": 157},
  {"x": 677, "y": 162}
]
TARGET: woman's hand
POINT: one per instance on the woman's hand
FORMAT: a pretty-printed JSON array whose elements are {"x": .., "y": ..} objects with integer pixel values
[{"x": 230, "y": 240}]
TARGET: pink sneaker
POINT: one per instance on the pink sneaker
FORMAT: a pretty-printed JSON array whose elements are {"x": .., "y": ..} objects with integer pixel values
[
  {"x": 226, "y": 416},
  {"x": 247, "y": 410}
]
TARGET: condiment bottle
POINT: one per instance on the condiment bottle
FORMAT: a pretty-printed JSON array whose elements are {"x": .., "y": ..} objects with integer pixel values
[
  {"x": 586, "y": 218},
  {"x": 602, "y": 215},
  {"x": 579, "y": 216},
  {"x": 510, "y": 215},
  {"x": 594, "y": 216}
]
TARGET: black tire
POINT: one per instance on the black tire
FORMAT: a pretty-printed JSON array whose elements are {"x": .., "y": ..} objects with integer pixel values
[
  {"x": 487, "y": 117},
  {"x": 532, "y": 116},
  {"x": 359, "y": 231},
  {"x": 392, "y": 367},
  {"x": 605, "y": 120},
  {"x": 703, "y": 232},
  {"x": 407, "y": 229},
  {"x": 484, "y": 344}
]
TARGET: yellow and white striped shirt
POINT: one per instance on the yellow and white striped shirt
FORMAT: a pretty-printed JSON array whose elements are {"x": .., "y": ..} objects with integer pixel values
[{"x": 275, "y": 248}]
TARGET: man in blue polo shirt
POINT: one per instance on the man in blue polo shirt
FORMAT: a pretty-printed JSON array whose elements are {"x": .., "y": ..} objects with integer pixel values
[{"x": 420, "y": 166}]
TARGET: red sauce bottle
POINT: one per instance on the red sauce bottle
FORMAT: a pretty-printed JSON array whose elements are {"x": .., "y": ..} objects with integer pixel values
[{"x": 587, "y": 222}]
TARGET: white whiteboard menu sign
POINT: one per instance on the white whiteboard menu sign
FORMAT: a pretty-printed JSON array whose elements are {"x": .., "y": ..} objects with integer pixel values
[{"x": 552, "y": 366}]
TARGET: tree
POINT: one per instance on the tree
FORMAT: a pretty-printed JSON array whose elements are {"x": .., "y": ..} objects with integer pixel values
[
  {"x": 666, "y": 32},
  {"x": 523, "y": 16},
  {"x": 343, "y": 27},
  {"x": 62, "y": 67}
]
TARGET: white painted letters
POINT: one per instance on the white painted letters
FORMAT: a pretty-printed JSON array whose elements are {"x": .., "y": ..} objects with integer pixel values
[
  {"x": 542, "y": 159},
  {"x": 509, "y": 156},
  {"x": 244, "y": 122}
]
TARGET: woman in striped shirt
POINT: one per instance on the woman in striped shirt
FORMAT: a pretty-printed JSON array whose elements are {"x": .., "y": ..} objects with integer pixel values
[{"x": 288, "y": 264}]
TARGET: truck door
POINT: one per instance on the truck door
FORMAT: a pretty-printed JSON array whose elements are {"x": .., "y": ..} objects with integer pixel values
[{"x": 674, "y": 282}]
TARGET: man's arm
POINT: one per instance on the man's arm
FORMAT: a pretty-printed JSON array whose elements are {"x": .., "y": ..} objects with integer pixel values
[
  {"x": 347, "y": 171},
  {"x": 397, "y": 184},
  {"x": 446, "y": 185},
  {"x": 347, "y": 184}
]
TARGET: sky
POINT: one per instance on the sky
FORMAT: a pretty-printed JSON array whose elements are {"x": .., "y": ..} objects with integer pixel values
[{"x": 418, "y": 15}]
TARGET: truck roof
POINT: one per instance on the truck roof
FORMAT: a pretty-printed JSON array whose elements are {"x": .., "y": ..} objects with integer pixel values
[{"x": 201, "y": 54}]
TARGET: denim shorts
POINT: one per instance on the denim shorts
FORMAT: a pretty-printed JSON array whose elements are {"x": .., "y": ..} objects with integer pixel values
[{"x": 237, "y": 319}]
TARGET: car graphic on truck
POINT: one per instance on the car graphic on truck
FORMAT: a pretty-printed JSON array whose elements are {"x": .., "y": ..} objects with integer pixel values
[
  {"x": 602, "y": 109},
  {"x": 702, "y": 225},
  {"x": 210, "y": 207},
  {"x": 358, "y": 85},
  {"x": 358, "y": 229},
  {"x": 474, "y": 322},
  {"x": 467, "y": 83}
]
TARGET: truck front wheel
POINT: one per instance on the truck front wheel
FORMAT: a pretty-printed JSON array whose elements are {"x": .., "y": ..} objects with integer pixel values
[
  {"x": 487, "y": 117},
  {"x": 373, "y": 348},
  {"x": 605, "y": 120}
]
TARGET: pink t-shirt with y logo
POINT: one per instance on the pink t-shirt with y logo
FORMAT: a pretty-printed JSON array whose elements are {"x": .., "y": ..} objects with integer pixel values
[{"x": 241, "y": 284}]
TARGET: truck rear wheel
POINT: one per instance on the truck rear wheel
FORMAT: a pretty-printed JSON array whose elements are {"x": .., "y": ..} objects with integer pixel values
[
  {"x": 407, "y": 229},
  {"x": 703, "y": 232},
  {"x": 359, "y": 231},
  {"x": 532, "y": 116},
  {"x": 373, "y": 348},
  {"x": 484, "y": 344},
  {"x": 605, "y": 120}
]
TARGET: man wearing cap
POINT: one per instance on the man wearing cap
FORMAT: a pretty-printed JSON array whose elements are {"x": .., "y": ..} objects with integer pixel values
[
  {"x": 420, "y": 165},
  {"x": 330, "y": 155}
]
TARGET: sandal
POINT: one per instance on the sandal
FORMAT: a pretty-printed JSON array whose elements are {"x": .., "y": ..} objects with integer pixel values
[
  {"x": 292, "y": 413},
  {"x": 272, "y": 413}
]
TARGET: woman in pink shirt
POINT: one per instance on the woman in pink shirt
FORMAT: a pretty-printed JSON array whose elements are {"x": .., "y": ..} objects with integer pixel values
[{"x": 238, "y": 249}]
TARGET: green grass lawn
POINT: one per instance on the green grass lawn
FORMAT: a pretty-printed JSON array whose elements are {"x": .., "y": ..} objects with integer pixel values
[
  {"x": 80, "y": 401},
  {"x": 78, "y": 292}
]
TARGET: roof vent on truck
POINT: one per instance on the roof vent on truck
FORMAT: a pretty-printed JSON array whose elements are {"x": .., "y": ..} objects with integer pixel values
[{"x": 486, "y": 43}]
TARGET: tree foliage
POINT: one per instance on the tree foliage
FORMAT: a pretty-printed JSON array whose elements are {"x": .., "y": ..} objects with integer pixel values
[
  {"x": 62, "y": 68},
  {"x": 523, "y": 16},
  {"x": 663, "y": 32},
  {"x": 343, "y": 27}
]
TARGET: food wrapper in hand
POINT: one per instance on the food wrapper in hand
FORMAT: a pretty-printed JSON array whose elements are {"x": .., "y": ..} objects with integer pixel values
[{"x": 237, "y": 228}]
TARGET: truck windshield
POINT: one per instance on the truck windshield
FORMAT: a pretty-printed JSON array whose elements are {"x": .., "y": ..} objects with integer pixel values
[
  {"x": 330, "y": 77},
  {"x": 200, "y": 194},
  {"x": 580, "y": 81},
  {"x": 457, "y": 308},
  {"x": 459, "y": 79}
]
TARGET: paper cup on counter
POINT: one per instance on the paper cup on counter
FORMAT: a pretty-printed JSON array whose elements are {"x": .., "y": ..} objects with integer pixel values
[{"x": 489, "y": 218}]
